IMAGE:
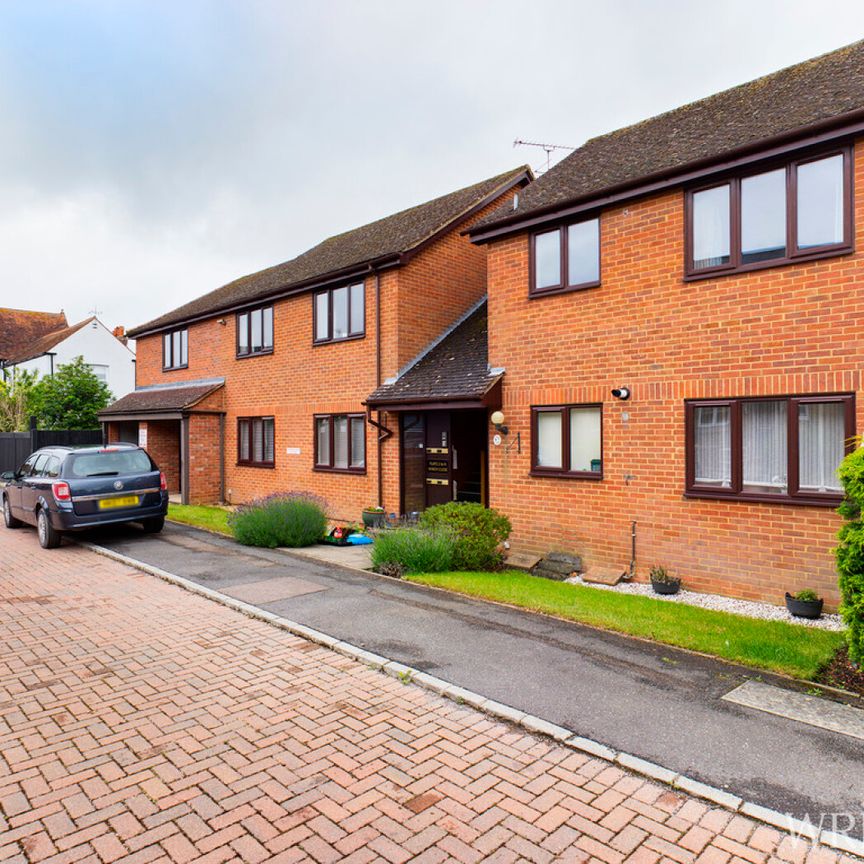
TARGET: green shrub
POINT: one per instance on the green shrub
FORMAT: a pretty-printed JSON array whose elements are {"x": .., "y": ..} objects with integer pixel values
[
  {"x": 807, "y": 595},
  {"x": 413, "y": 550},
  {"x": 850, "y": 553},
  {"x": 284, "y": 519},
  {"x": 477, "y": 530}
]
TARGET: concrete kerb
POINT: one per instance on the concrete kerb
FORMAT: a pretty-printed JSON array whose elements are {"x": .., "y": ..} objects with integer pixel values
[{"x": 508, "y": 714}]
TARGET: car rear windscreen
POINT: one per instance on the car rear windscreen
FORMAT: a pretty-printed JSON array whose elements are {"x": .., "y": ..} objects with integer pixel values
[{"x": 110, "y": 463}]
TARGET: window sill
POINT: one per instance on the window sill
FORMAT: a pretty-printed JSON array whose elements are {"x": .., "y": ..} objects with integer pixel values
[
  {"x": 317, "y": 342},
  {"x": 266, "y": 353},
  {"x": 256, "y": 464},
  {"x": 174, "y": 368},
  {"x": 718, "y": 272},
  {"x": 325, "y": 470},
  {"x": 567, "y": 475},
  {"x": 796, "y": 501},
  {"x": 537, "y": 293}
]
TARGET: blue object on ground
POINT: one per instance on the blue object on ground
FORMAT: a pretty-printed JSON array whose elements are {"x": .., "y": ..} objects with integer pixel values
[{"x": 359, "y": 539}]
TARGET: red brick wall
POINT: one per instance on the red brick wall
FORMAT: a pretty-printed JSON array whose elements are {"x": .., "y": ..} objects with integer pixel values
[
  {"x": 300, "y": 379},
  {"x": 163, "y": 445},
  {"x": 785, "y": 330}
]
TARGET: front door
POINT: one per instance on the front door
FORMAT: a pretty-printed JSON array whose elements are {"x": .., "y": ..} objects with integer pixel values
[{"x": 443, "y": 458}]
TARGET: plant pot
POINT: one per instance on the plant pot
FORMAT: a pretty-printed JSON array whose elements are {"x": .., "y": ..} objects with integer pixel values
[
  {"x": 804, "y": 608},
  {"x": 671, "y": 587},
  {"x": 373, "y": 518}
]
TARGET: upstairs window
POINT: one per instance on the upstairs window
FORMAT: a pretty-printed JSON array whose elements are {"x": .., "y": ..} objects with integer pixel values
[
  {"x": 175, "y": 348},
  {"x": 567, "y": 441},
  {"x": 256, "y": 442},
  {"x": 255, "y": 332},
  {"x": 340, "y": 442},
  {"x": 566, "y": 258},
  {"x": 784, "y": 448},
  {"x": 339, "y": 313},
  {"x": 794, "y": 212}
]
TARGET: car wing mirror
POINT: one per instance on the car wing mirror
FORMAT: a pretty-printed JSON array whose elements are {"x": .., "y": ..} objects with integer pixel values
[{"x": 7, "y": 476}]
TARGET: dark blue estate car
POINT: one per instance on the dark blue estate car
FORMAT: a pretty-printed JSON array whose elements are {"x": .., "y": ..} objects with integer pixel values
[{"x": 70, "y": 489}]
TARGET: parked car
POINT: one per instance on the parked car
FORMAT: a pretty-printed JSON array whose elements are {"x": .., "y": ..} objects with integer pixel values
[{"x": 60, "y": 489}]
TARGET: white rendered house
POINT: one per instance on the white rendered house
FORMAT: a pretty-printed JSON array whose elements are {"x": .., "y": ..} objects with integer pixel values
[{"x": 42, "y": 342}]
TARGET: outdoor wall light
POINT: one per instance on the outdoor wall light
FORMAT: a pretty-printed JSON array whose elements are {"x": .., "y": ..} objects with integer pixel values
[
  {"x": 622, "y": 393},
  {"x": 497, "y": 419}
]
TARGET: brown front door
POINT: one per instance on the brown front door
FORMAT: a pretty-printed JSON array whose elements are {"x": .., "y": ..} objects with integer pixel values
[
  {"x": 443, "y": 458},
  {"x": 439, "y": 453}
]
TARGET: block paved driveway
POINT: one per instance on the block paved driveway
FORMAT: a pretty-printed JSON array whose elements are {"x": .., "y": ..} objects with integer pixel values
[{"x": 140, "y": 722}]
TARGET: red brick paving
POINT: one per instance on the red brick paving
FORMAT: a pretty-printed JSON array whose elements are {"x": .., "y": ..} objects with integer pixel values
[{"x": 140, "y": 722}]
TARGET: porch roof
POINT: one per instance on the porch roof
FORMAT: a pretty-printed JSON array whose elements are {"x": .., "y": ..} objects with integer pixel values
[
  {"x": 453, "y": 372},
  {"x": 161, "y": 399}
]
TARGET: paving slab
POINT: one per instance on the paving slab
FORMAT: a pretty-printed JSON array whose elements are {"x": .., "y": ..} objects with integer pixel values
[
  {"x": 660, "y": 704},
  {"x": 801, "y": 707}
]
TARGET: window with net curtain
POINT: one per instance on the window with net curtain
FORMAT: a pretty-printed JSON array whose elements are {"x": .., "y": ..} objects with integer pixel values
[
  {"x": 787, "y": 446},
  {"x": 568, "y": 440},
  {"x": 256, "y": 440}
]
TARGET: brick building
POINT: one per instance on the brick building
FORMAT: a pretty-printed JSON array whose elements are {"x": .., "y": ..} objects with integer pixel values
[
  {"x": 704, "y": 264},
  {"x": 668, "y": 321},
  {"x": 262, "y": 385}
]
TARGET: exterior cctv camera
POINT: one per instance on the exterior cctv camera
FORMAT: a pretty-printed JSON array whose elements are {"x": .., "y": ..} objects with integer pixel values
[{"x": 622, "y": 393}]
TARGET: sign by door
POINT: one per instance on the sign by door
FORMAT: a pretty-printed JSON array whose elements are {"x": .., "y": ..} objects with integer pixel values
[{"x": 142, "y": 435}]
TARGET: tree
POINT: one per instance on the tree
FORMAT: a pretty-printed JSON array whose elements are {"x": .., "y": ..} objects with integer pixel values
[
  {"x": 71, "y": 398},
  {"x": 17, "y": 400}
]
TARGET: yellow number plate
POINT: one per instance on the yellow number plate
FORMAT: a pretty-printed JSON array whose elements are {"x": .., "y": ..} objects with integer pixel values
[{"x": 126, "y": 501}]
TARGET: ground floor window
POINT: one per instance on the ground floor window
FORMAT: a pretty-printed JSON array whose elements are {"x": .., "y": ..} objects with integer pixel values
[
  {"x": 771, "y": 449},
  {"x": 255, "y": 441},
  {"x": 340, "y": 442},
  {"x": 567, "y": 440}
]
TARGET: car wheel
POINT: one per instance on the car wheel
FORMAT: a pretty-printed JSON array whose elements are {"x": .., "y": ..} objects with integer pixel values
[
  {"x": 48, "y": 537},
  {"x": 154, "y": 525},
  {"x": 8, "y": 518}
]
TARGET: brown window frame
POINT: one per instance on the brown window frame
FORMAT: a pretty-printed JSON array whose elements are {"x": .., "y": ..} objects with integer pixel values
[
  {"x": 329, "y": 466},
  {"x": 564, "y": 471},
  {"x": 793, "y": 495},
  {"x": 248, "y": 313},
  {"x": 329, "y": 292},
  {"x": 169, "y": 335},
  {"x": 250, "y": 462},
  {"x": 563, "y": 286},
  {"x": 793, "y": 255}
]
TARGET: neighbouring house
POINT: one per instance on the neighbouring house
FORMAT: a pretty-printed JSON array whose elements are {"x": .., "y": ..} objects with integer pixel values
[
  {"x": 706, "y": 265},
  {"x": 351, "y": 371},
  {"x": 43, "y": 341}
]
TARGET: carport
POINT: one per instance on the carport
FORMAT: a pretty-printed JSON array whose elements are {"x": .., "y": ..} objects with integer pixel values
[{"x": 182, "y": 426}]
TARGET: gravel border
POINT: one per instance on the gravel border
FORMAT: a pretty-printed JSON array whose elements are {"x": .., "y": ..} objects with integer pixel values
[{"x": 748, "y": 608}]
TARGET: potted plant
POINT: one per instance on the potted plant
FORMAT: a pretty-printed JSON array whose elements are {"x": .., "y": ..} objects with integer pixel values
[
  {"x": 663, "y": 582},
  {"x": 804, "y": 604},
  {"x": 373, "y": 517}
]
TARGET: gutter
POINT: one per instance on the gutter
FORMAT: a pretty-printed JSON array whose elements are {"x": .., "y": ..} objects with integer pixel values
[{"x": 850, "y": 123}]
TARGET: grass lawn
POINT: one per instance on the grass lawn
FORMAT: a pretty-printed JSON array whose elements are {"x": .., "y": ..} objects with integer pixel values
[
  {"x": 775, "y": 645},
  {"x": 211, "y": 518}
]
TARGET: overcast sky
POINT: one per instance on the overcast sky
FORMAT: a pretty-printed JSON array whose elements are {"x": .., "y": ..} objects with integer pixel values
[{"x": 151, "y": 151}]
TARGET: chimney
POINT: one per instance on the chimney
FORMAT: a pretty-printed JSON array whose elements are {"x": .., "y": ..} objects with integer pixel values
[{"x": 120, "y": 333}]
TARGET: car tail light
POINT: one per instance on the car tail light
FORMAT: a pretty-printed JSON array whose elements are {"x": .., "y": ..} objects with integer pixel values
[
  {"x": 163, "y": 483},
  {"x": 61, "y": 491}
]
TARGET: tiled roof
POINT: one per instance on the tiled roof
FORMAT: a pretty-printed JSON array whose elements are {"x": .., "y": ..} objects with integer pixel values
[
  {"x": 156, "y": 399},
  {"x": 455, "y": 369},
  {"x": 49, "y": 341},
  {"x": 780, "y": 103},
  {"x": 392, "y": 236},
  {"x": 21, "y": 329}
]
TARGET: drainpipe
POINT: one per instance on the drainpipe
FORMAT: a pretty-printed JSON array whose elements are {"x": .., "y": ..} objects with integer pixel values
[
  {"x": 632, "y": 572},
  {"x": 377, "y": 385},
  {"x": 221, "y": 458}
]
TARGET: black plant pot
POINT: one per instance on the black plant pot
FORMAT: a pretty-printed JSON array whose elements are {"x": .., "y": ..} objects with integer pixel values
[
  {"x": 672, "y": 587},
  {"x": 804, "y": 608}
]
